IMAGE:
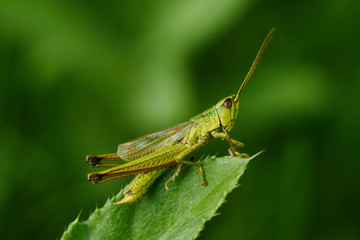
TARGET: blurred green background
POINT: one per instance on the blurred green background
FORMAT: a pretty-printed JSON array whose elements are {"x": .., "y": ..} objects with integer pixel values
[{"x": 79, "y": 77}]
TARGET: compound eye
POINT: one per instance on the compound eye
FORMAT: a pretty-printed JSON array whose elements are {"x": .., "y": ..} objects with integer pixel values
[{"x": 228, "y": 103}]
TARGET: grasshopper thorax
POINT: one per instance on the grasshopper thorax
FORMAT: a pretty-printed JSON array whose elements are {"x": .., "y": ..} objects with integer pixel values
[{"x": 227, "y": 110}]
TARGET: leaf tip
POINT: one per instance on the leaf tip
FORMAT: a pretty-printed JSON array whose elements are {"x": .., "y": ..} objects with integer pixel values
[
  {"x": 253, "y": 156},
  {"x": 78, "y": 216}
]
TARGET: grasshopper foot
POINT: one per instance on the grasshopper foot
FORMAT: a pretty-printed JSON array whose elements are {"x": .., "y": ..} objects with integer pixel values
[
  {"x": 203, "y": 181},
  {"x": 178, "y": 170},
  {"x": 93, "y": 160},
  {"x": 167, "y": 183},
  {"x": 236, "y": 153},
  {"x": 95, "y": 177},
  {"x": 244, "y": 155},
  {"x": 171, "y": 179}
]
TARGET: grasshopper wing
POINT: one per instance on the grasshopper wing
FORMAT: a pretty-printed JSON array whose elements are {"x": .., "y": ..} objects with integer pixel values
[{"x": 144, "y": 145}]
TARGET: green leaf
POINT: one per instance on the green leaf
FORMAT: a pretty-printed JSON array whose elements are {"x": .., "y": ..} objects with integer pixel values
[{"x": 179, "y": 213}]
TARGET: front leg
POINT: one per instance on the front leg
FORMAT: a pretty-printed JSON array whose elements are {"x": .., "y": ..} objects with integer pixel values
[{"x": 234, "y": 144}]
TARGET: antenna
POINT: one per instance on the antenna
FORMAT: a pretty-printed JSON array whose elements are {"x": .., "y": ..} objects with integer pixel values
[{"x": 257, "y": 58}]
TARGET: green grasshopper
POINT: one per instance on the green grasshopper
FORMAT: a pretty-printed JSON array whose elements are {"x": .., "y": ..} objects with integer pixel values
[{"x": 151, "y": 155}]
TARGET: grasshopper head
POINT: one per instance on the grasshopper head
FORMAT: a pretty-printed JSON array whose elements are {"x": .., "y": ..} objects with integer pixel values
[{"x": 227, "y": 108}]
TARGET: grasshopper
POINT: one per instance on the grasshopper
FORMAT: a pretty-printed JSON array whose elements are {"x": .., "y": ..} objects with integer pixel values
[{"x": 149, "y": 156}]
